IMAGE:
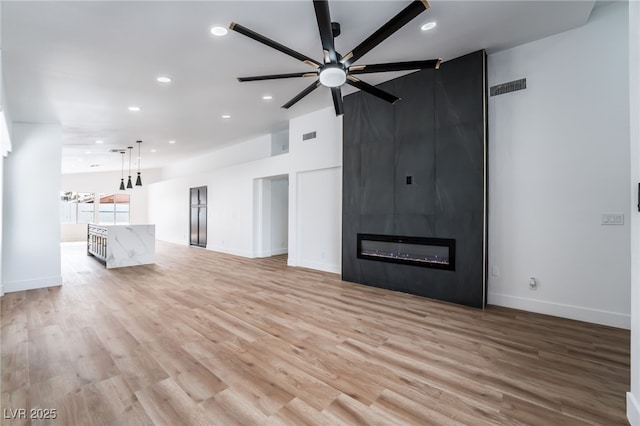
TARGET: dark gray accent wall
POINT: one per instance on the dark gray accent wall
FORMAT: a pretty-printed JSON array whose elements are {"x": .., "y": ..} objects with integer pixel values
[{"x": 436, "y": 135}]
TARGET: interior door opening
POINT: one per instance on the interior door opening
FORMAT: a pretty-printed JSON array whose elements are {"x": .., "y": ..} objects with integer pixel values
[{"x": 271, "y": 216}]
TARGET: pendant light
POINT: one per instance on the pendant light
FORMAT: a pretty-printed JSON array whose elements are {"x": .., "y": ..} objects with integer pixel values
[
  {"x": 139, "y": 180},
  {"x": 122, "y": 174},
  {"x": 129, "y": 185}
]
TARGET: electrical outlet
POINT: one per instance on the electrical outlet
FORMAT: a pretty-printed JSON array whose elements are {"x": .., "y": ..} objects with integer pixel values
[
  {"x": 495, "y": 271},
  {"x": 533, "y": 283}
]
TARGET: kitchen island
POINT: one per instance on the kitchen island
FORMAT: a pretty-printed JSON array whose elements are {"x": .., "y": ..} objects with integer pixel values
[{"x": 118, "y": 246}]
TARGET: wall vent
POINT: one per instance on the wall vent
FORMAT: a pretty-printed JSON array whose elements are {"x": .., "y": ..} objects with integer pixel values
[
  {"x": 307, "y": 136},
  {"x": 512, "y": 86}
]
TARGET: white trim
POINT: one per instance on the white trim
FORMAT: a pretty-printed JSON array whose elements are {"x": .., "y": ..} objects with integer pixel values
[
  {"x": 320, "y": 266},
  {"x": 235, "y": 252},
  {"x": 272, "y": 252},
  {"x": 633, "y": 410},
  {"x": 597, "y": 316},
  {"x": 5, "y": 136},
  {"x": 12, "y": 286}
]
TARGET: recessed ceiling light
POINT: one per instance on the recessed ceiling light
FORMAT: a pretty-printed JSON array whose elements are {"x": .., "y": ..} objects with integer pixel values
[
  {"x": 428, "y": 26},
  {"x": 99, "y": 142},
  {"x": 163, "y": 79},
  {"x": 226, "y": 116},
  {"x": 267, "y": 97},
  {"x": 219, "y": 31},
  {"x": 134, "y": 108},
  {"x": 154, "y": 150},
  {"x": 172, "y": 142},
  {"x": 87, "y": 152}
]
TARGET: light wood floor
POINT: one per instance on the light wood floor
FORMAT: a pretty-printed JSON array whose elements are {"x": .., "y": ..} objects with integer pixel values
[{"x": 207, "y": 338}]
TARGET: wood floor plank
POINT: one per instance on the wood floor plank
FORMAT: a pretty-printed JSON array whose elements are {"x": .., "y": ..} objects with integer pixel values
[
  {"x": 167, "y": 404},
  {"x": 209, "y": 338}
]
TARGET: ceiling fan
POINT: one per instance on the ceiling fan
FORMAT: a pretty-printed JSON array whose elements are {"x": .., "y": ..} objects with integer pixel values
[{"x": 335, "y": 69}]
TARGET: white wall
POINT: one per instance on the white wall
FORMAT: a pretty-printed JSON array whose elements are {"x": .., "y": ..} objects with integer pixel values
[
  {"x": 280, "y": 142},
  {"x": 559, "y": 159},
  {"x": 226, "y": 156},
  {"x": 31, "y": 213},
  {"x": 633, "y": 397},
  {"x": 231, "y": 190},
  {"x": 1, "y": 219},
  {"x": 107, "y": 182},
  {"x": 319, "y": 237}
]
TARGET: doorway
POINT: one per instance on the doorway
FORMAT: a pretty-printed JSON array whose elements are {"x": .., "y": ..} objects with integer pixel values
[
  {"x": 198, "y": 215},
  {"x": 271, "y": 216}
]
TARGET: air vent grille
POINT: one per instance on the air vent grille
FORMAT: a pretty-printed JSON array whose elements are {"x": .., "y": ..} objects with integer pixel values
[
  {"x": 118, "y": 150},
  {"x": 307, "y": 136},
  {"x": 512, "y": 86}
]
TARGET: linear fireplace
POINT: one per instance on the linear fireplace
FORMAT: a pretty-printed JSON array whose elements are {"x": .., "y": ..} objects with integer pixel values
[{"x": 439, "y": 253}]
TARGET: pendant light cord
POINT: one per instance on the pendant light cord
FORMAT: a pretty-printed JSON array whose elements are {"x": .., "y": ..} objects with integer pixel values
[{"x": 138, "y": 179}]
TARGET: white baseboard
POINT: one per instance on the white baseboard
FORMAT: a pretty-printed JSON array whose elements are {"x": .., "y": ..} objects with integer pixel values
[
  {"x": 227, "y": 250},
  {"x": 633, "y": 410},
  {"x": 320, "y": 266},
  {"x": 270, "y": 253},
  {"x": 13, "y": 286},
  {"x": 596, "y": 316}
]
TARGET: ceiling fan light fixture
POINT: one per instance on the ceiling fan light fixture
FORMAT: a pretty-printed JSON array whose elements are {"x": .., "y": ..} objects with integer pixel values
[
  {"x": 219, "y": 31},
  {"x": 428, "y": 26},
  {"x": 333, "y": 76}
]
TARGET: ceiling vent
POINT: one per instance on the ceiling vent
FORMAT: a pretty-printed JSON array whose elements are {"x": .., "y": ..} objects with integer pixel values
[
  {"x": 511, "y": 86},
  {"x": 307, "y": 136},
  {"x": 118, "y": 150}
]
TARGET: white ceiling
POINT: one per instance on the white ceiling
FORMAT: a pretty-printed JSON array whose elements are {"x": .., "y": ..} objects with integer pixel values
[{"x": 81, "y": 64}]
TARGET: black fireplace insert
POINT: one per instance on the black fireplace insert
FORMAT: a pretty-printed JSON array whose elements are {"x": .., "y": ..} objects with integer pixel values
[{"x": 439, "y": 253}]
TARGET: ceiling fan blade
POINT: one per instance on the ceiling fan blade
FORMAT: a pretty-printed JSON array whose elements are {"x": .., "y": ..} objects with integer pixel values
[
  {"x": 277, "y": 76},
  {"x": 273, "y": 44},
  {"x": 400, "y": 20},
  {"x": 373, "y": 90},
  {"x": 336, "y": 93},
  {"x": 313, "y": 86},
  {"x": 395, "y": 66},
  {"x": 324, "y": 26}
]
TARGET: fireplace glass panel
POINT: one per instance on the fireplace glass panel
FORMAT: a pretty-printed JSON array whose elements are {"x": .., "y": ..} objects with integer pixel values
[{"x": 430, "y": 252}]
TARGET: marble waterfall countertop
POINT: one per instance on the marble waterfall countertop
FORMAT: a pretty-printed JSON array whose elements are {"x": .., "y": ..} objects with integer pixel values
[{"x": 126, "y": 245}]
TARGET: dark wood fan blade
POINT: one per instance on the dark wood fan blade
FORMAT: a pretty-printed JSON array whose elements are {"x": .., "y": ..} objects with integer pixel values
[
  {"x": 395, "y": 66},
  {"x": 336, "y": 93},
  {"x": 324, "y": 26},
  {"x": 400, "y": 20},
  {"x": 277, "y": 76},
  {"x": 313, "y": 86},
  {"x": 373, "y": 90},
  {"x": 273, "y": 44}
]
